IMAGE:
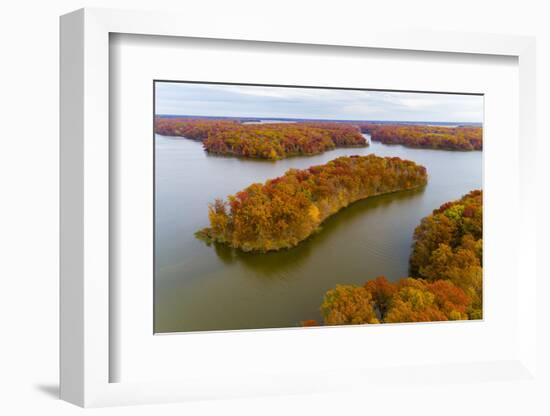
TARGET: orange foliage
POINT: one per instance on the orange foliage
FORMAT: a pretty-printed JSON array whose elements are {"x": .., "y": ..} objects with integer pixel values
[
  {"x": 347, "y": 304},
  {"x": 416, "y": 300},
  {"x": 446, "y": 265},
  {"x": 382, "y": 292},
  {"x": 286, "y": 210},
  {"x": 433, "y": 137},
  {"x": 447, "y": 245},
  {"x": 265, "y": 141},
  {"x": 409, "y": 300},
  {"x": 309, "y": 322},
  {"x": 191, "y": 129}
]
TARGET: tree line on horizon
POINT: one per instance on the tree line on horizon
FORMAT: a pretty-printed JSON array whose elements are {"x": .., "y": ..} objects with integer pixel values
[
  {"x": 280, "y": 140},
  {"x": 423, "y": 136}
]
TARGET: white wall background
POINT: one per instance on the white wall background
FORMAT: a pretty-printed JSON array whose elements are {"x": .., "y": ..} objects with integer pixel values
[{"x": 29, "y": 206}]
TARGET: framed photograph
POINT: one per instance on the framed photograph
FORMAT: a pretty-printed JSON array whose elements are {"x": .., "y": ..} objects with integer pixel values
[
  {"x": 322, "y": 183},
  {"x": 237, "y": 208}
]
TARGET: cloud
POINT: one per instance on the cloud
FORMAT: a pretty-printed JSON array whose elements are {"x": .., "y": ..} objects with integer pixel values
[{"x": 285, "y": 102}]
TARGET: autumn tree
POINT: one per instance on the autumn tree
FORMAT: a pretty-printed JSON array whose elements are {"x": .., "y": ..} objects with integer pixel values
[
  {"x": 409, "y": 300},
  {"x": 419, "y": 301},
  {"x": 347, "y": 304},
  {"x": 382, "y": 292}
]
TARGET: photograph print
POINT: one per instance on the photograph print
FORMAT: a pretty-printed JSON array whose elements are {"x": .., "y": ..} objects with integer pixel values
[{"x": 293, "y": 207}]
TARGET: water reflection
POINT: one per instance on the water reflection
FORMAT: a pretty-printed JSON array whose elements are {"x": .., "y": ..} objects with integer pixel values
[
  {"x": 276, "y": 264},
  {"x": 272, "y": 264}
]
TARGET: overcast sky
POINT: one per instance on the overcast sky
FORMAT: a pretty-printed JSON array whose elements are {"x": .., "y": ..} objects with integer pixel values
[{"x": 273, "y": 102}]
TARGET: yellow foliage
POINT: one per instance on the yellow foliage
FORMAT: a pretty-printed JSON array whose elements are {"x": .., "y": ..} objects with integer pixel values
[
  {"x": 347, "y": 304},
  {"x": 314, "y": 213},
  {"x": 286, "y": 210}
]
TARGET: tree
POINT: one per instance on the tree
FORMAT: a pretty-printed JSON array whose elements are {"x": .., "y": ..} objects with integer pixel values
[
  {"x": 382, "y": 292},
  {"x": 347, "y": 304},
  {"x": 419, "y": 301}
]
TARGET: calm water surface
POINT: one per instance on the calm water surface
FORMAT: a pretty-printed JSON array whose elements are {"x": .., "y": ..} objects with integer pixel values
[{"x": 216, "y": 288}]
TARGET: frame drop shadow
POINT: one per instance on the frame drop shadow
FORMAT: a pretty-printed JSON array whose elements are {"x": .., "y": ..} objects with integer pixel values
[{"x": 51, "y": 390}]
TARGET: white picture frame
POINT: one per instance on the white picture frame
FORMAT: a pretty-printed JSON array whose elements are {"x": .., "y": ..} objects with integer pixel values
[{"x": 85, "y": 206}]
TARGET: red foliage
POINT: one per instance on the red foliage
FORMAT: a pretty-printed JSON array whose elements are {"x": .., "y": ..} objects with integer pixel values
[
  {"x": 265, "y": 141},
  {"x": 286, "y": 210},
  {"x": 434, "y": 137}
]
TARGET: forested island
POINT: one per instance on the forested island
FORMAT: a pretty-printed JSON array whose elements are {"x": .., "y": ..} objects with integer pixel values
[
  {"x": 276, "y": 141},
  {"x": 431, "y": 137},
  {"x": 286, "y": 210},
  {"x": 271, "y": 141},
  {"x": 445, "y": 280}
]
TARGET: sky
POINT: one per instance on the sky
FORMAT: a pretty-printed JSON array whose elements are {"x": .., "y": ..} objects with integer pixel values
[{"x": 272, "y": 102}]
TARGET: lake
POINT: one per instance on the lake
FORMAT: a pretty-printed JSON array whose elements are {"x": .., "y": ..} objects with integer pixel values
[{"x": 198, "y": 287}]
